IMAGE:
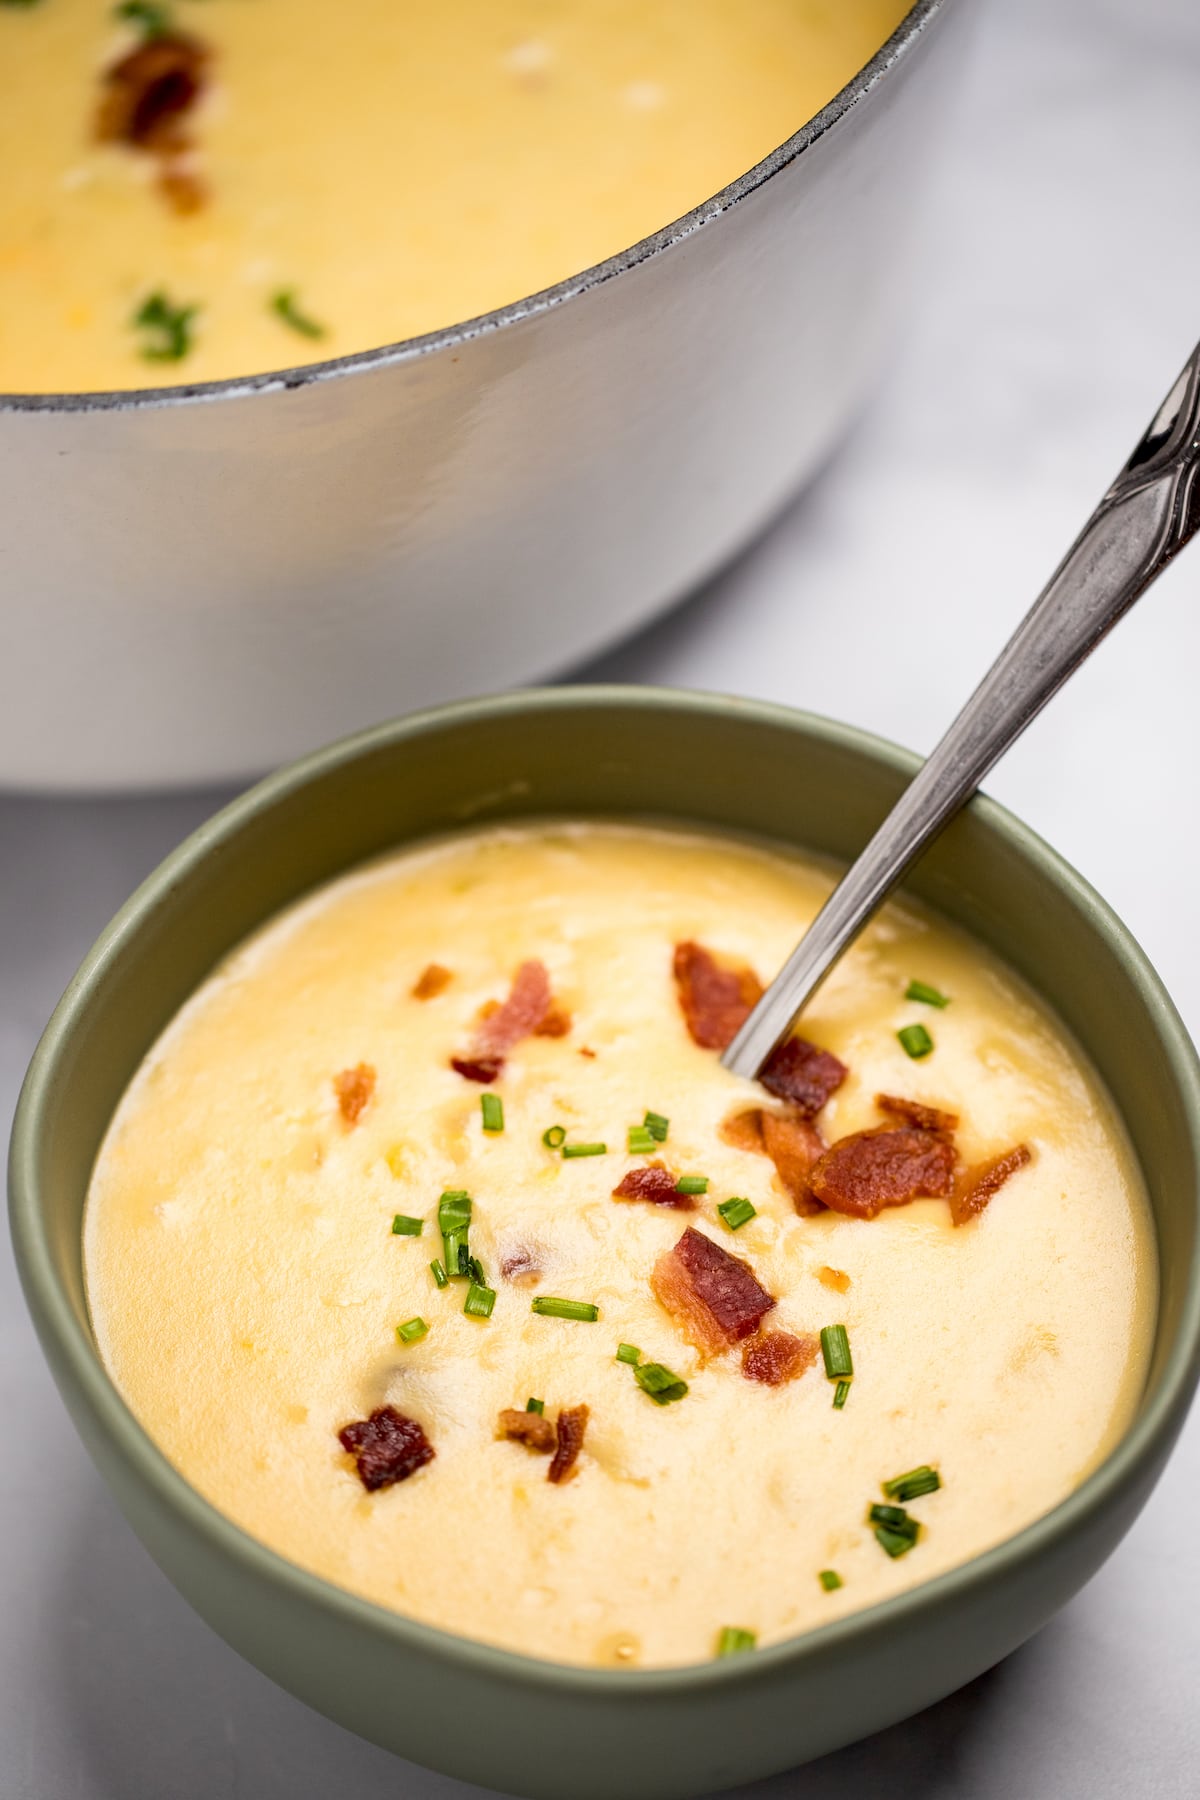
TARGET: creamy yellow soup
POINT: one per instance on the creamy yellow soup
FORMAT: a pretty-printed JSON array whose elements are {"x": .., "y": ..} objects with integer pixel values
[
  {"x": 388, "y": 167},
  {"x": 246, "y": 1283}
]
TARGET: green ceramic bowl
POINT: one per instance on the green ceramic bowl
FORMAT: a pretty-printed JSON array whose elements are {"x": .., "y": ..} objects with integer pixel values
[{"x": 528, "y": 1727}]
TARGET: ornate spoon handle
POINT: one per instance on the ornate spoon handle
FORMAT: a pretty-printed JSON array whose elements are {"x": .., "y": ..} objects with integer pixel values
[{"x": 1145, "y": 518}]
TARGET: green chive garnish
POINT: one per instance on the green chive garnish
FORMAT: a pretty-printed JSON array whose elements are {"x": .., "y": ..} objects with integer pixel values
[
  {"x": 733, "y": 1640},
  {"x": 641, "y": 1142},
  {"x": 692, "y": 1184},
  {"x": 492, "y": 1107},
  {"x": 475, "y": 1271},
  {"x": 550, "y": 1308},
  {"x": 537, "y": 1406},
  {"x": 284, "y": 304},
  {"x": 892, "y": 1542},
  {"x": 893, "y": 1518},
  {"x": 404, "y": 1225},
  {"x": 737, "y": 1213},
  {"x": 585, "y": 1149},
  {"x": 479, "y": 1301},
  {"x": 554, "y": 1137},
  {"x": 835, "y": 1348},
  {"x": 916, "y": 1041},
  {"x": 410, "y": 1333},
  {"x": 628, "y": 1353},
  {"x": 912, "y": 1485},
  {"x": 841, "y": 1394},
  {"x": 439, "y": 1274},
  {"x": 169, "y": 328},
  {"x": 657, "y": 1126},
  {"x": 151, "y": 19},
  {"x": 928, "y": 996},
  {"x": 660, "y": 1383},
  {"x": 829, "y": 1580},
  {"x": 454, "y": 1219}
]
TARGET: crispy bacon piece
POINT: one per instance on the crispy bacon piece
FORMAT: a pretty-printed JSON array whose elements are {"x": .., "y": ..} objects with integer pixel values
[
  {"x": 802, "y": 1074},
  {"x": 387, "y": 1447},
  {"x": 519, "y": 1265},
  {"x": 777, "y": 1356},
  {"x": 556, "y": 1023},
  {"x": 528, "y": 1428},
  {"x": 432, "y": 981},
  {"x": 744, "y": 1131},
  {"x": 976, "y": 1186},
  {"x": 794, "y": 1144},
  {"x": 863, "y": 1173},
  {"x": 572, "y": 1423},
  {"x": 715, "y": 1298},
  {"x": 915, "y": 1112},
  {"x": 716, "y": 1001},
  {"x": 354, "y": 1089},
  {"x": 528, "y": 1005},
  {"x": 837, "y": 1279},
  {"x": 145, "y": 101},
  {"x": 656, "y": 1184}
]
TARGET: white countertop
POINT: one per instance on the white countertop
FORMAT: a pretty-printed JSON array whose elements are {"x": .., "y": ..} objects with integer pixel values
[{"x": 1062, "y": 291}]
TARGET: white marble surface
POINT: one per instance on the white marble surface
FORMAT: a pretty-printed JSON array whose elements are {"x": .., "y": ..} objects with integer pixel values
[{"x": 1062, "y": 290}]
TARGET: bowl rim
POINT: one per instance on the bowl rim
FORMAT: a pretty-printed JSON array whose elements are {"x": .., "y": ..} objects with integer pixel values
[
  {"x": 1150, "y": 1433},
  {"x": 916, "y": 20}
]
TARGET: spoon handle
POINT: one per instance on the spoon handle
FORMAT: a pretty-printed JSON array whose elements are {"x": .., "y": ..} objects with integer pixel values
[{"x": 1145, "y": 518}]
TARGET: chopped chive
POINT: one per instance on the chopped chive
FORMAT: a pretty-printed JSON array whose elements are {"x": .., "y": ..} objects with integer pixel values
[
  {"x": 475, "y": 1270},
  {"x": 641, "y": 1141},
  {"x": 628, "y": 1353},
  {"x": 657, "y": 1126},
  {"x": 554, "y": 1137},
  {"x": 893, "y": 1518},
  {"x": 841, "y": 1394},
  {"x": 454, "y": 1210},
  {"x": 412, "y": 1332},
  {"x": 550, "y": 1308},
  {"x": 438, "y": 1272},
  {"x": 928, "y": 996},
  {"x": 892, "y": 1542},
  {"x": 916, "y": 1041},
  {"x": 169, "y": 328},
  {"x": 404, "y": 1225},
  {"x": 537, "y": 1406},
  {"x": 912, "y": 1485},
  {"x": 284, "y": 304},
  {"x": 465, "y": 1259},
  {"x": 151, "y": 19},
  {"x": 479, "y": 1301},
  {"x": 835, "y": 1348},
  {"x": 585, "y": 1149},
  {"x": 733, "y": 1640},
  {"x": 454, "y": 1253},
  {"x": 829, "y": 1580},
  {"x": 662, "y": 1384},
  {"x": 692, "y": 1184},
  {"x": 492, "y": 1108},
  {"x": 737, "y": 1213}
]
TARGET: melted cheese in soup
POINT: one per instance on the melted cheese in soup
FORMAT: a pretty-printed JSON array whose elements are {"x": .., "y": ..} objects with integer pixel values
[{"x": 246, "y": 1283}]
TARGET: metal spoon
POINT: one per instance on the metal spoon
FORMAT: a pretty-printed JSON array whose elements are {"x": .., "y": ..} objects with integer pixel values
[{"x": 1145, "y": 518}]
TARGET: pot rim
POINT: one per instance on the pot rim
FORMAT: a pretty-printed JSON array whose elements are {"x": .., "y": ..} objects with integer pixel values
[
  {"x": 917, "y": 19},
  {"x": 1143, "y": 1444}
]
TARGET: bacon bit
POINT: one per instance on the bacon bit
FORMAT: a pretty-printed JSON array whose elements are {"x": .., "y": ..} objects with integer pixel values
[
  {"x": 915, "y": 1112},
  {"x": 354, "y": 1089},
  {"x": 432, "y": 981},
  {"x": 519, "y": 1265},
  {"x": 976, "y": 1186},
  {"x": 778, "y": 1356},
  {"x": 714, "y": 1298},
  {"x": 802, "y": 1074},
  {"x": 528, "y": 1006},
  {"x": 145, "y": 100},
  {"x": 716, "y": 1001},
  {"x": 653, "y": 1182},
  {"x": 556, "y": 1023},
  {"x": 528, "y": 1428},
  {"x": 584, "y": 1051},
  {"x": 388, "y": 1447},
  {"x": 744, "y": 1131},
  {"x": 572, "y": 1423},
  {"x": 869, "y": 1170},
  {"x": 794, "y": 1145},
  {"x": 837, "y": 1279}
]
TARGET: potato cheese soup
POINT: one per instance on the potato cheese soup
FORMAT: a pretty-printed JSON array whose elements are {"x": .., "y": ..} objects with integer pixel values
[
  {"x": 196, "y": 190},
  {"x": 433, "y": 1245}
]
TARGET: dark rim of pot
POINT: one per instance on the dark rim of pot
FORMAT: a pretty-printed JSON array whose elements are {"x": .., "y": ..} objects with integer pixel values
[{"x": 910, "y": 28}]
